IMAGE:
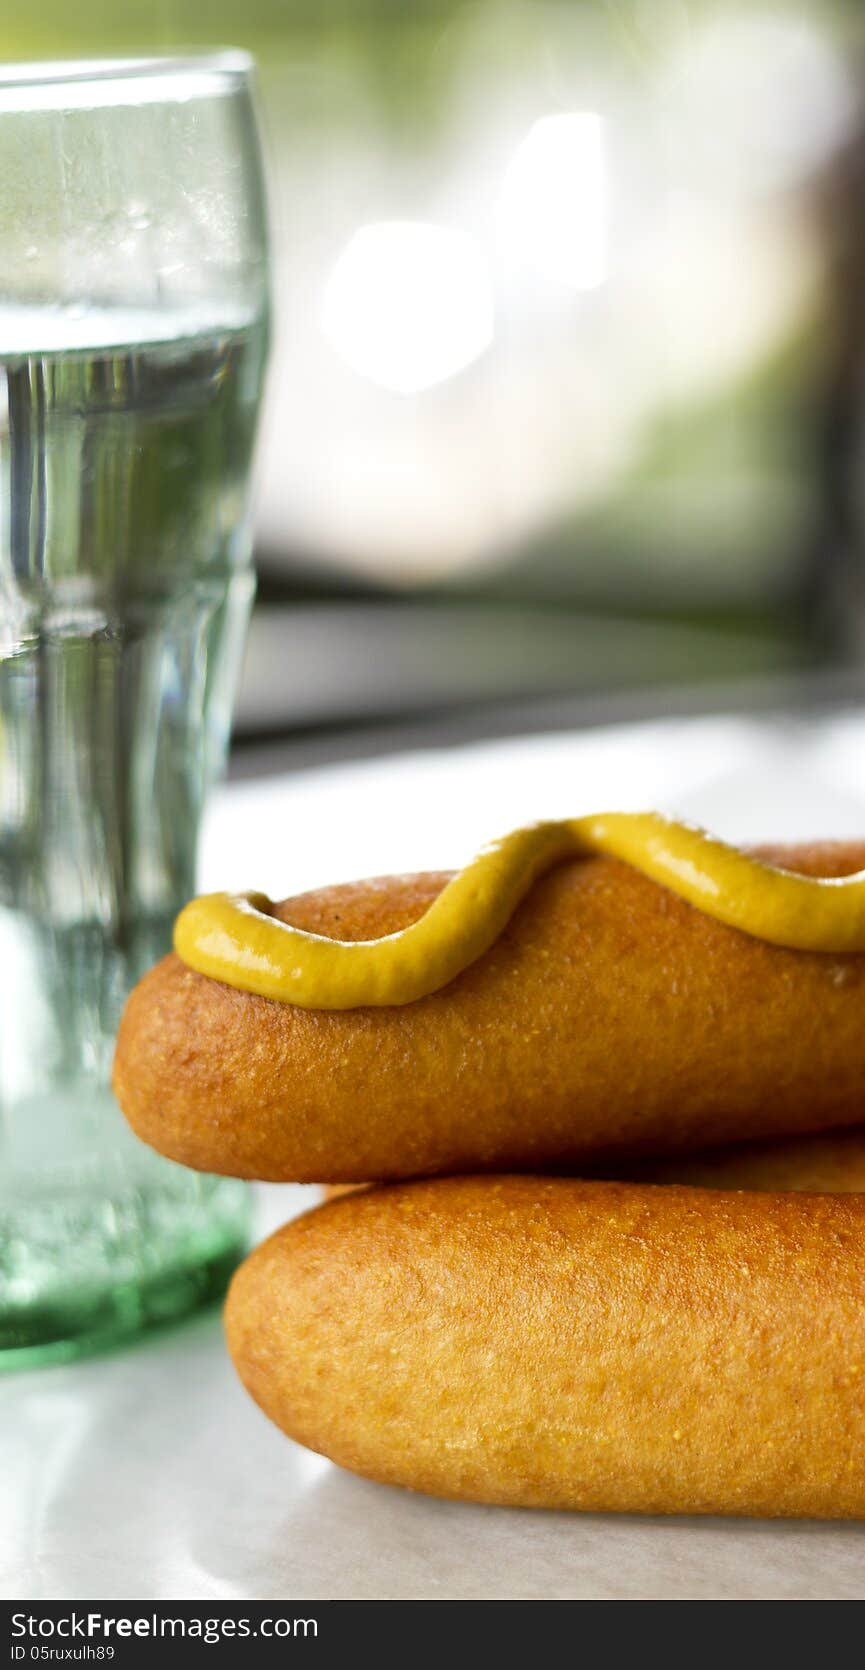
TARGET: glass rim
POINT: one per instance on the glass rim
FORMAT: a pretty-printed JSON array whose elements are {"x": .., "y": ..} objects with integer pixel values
[{"x": 86, "y": 82}]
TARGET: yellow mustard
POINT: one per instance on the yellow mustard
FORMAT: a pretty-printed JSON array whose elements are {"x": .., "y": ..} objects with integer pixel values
[{"x": 236, "y": 940}]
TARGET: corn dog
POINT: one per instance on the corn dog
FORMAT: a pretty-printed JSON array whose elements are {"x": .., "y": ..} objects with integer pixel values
[
  {"x": 552, "y": 1343},
  {"x": 609, "y": 1018}
]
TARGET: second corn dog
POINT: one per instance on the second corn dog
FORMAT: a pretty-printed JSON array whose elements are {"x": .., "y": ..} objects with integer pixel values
[{"x": 550, "y": 1343}]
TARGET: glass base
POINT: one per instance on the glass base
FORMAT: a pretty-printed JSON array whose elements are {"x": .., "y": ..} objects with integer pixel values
[{"x": 83, "y": 1274}]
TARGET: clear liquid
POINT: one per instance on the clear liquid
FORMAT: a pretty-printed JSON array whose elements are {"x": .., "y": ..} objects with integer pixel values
[{"x": 124, "y": 594}]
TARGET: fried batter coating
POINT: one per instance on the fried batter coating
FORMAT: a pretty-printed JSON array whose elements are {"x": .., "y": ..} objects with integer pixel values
[
  {"x": 562, "y": 1344},
  {"x": 610, "y": 1019}
]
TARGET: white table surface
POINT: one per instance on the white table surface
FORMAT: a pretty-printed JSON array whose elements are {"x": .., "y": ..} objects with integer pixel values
[{"x": 150, "y": 1475}]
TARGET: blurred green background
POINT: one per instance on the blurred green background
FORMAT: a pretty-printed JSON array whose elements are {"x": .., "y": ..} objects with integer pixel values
[{"x": 568, "y": 381}]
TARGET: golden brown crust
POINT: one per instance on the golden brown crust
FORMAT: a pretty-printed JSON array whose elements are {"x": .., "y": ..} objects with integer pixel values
[
  {"x": 551, "y": 1343},
  {"x": 610, "y": 1018}
]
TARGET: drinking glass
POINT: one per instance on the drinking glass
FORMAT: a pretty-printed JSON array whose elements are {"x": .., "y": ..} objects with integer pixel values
[{"x": 133, "y": 327}]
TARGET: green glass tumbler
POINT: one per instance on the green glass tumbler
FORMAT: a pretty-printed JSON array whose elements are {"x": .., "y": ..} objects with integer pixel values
[{"x": 133, "y": 330}]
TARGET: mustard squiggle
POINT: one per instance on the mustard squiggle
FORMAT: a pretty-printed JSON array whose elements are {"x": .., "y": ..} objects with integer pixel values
[{"x": 234, "y": 938}]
